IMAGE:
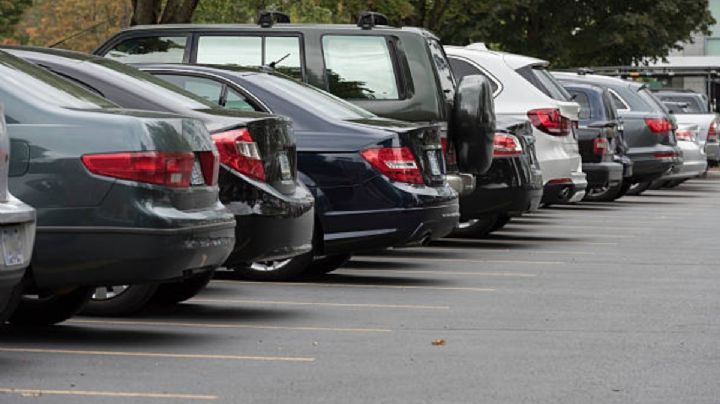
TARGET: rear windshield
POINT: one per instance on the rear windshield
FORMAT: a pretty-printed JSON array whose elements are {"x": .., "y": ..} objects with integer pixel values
[
  {"x": 46, "y": 87},
  {"x": 318, "y": 101},
  {"x": 694, "y": 104},
  {"x": 545, "y": 82}
]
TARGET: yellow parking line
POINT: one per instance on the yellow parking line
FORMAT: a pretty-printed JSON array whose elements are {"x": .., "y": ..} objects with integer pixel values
[
  {"x": 226, "y": 326},
  {"x": 114, "y": 394},
  {"x": 323, "y": 304},
  {"x": 458, "y": 273},
  {"x": 352, "y": 285},
  {"x": 160, "y": 355}
]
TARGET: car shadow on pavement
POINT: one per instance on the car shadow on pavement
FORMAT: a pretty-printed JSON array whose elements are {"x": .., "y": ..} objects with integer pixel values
[
  {"x": 360, "y": 279},
  {"x": 415, "y": 252},
  {"x": 389, "y": 265},
  {"x": 646, "y": 201},
  {"x": 479, "y": 244},
  {"x": 203, "y": 312},
  {"x": 583, "y": 207}
]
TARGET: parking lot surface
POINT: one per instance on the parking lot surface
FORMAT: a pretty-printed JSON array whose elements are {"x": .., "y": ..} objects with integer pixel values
[{"x": 599, "y": 302}]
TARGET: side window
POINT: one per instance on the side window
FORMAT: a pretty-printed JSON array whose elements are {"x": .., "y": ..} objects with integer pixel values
[
  {"x": 235, "y": 100},
  {"x": 150, "y": 49},
  {"x": 236, "y": 50},
  {"x": 442, "y": 65},
  {"x": 582, "y": 99},
  {"x": 205, "y": 88},
  {"x": 285, "y": 51},
  {"x": 620, "y": 104},
  {"x": 365, "y": 72},
  {"x": 10, "y": 120},
  {"x": 462, "y": 68}
]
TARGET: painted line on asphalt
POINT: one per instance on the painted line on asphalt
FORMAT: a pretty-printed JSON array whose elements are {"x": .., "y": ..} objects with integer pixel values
[
  {"x": 504, "y": 250},
  {"x": 226, "y": 326},
  {"x": 158, "y": 355},
  {"x": 459, "y": 273},
  {"x": 322, "y": 304},
  {"x": 109, "y": 394},
  {"x": 353, "y": 285},
  {"x": 383, "y": 259},
  {"x": 524, "y": 241}
]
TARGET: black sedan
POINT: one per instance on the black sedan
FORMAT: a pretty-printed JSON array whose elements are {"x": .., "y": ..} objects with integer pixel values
[
  {"x": 122, "y": 197},
  {"x": 258, "y": 177},
  {"x": 377, "y": 182}
]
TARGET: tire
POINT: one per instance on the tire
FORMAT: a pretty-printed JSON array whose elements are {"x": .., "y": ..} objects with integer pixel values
[
  {"x": 282, "y": 270},
  {"x": 476, "y": 228},
  {"x": 604, "y": 194},
  {"x": 50, "y": 309},
  {"x": 328, "y": 264},
  {"x": 500, "y": 222},
  {"x": 11, "y": 304},
  {"x": 639, "y": 188},
  {"x": 176, "y": 292},
  {"x": 119, "y": 300}
]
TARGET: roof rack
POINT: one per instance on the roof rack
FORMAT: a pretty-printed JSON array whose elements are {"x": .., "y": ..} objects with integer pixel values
[
  {"x": 584, "y": 71},
  {"x": 369, "y": 19},
  {"x": 674, "y": 90},
  {"x": 267, "y": 19}
]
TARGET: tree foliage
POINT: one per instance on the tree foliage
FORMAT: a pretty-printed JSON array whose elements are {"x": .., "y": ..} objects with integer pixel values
[{"x": 10, "y": 13}]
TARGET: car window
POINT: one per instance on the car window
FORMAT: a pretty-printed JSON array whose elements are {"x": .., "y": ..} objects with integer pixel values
[
  {"x": 235, "y": 50},
  {"x": 582, "y": 99},
  {"x": 650, "y": 99},
  {"x": 462, "y": 68},
  {"x": 620, "y": 104},
  {"x": 46, "y": 87},
  {"x": 9, "y": 119},
  {"x": 235, "y": 100},
  {"x": 208, "y": 89},
  {"x": 541, "y": 79},
  {"x": 150, "y": 49},
  {"x": 694, "y": 105},
  {"x": 318, "y": 101},
  {"x": 286, "y": 52},
  {"x": 359, "y": 67},
  {"x": 445, "y": 73}
]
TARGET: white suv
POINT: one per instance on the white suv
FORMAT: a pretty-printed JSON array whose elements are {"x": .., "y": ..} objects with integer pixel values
[{"x": 523, "y": 88}]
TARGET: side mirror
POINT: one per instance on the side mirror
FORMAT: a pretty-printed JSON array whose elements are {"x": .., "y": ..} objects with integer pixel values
[{"x": 472, "y": 126}]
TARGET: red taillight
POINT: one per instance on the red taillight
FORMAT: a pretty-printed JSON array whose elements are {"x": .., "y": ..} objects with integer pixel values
[
  {"x": 712, "y": 132},
  {"x": 397, "y": 163},
  {"x": 449, "y": 151},
  {"x": 239, "y": 151},
  {"x": 209, "y": 162},
  {"x": 666, "y": 155},
  {"x": 550, "y": 121},
  {"x": 682, "y": 134},
  {"x": 661, "y": 126},
  {"x": 159, "y": 168},
  {"x": 560, "y": 181},
  {"x": 600, "y": 145},
  {"x": 505, "y": 145}
]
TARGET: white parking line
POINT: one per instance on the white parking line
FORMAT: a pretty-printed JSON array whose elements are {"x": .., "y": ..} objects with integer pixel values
[
  {"x": 113, "y": 394},
  {"x": 452, "y": 273},
  {"x": 321, "y": 304},
  {"x": 353, "y": 285},
  {"x": 426, "y": 259},
  {"x": 503, "y": 250},
  {"x": 159, "y": 355},
  {"x": 225, "y": 326}
]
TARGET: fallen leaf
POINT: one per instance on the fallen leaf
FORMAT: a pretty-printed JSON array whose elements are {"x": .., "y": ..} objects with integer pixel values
[{"x": 439, "y": 342}]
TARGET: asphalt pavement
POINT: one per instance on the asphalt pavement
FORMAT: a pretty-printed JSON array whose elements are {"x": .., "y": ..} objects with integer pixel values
[{"x": 590, "y": 303}]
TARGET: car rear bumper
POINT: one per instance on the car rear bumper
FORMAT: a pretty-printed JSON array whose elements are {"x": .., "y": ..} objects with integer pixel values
[
  {"x": 603, "y": 174},
  {"x": 647, "y": 167},
  {"x": 511, "y": 186},
  {"x": 713, "y": 152},
  {"x": 16, "y": 215},
  {"x": 71, "y": 256},
  {"x": 569, "y": 192},
  {"x": 688, "y": 169}
]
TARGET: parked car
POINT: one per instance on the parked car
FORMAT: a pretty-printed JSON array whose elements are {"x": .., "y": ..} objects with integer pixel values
[
  {"x": 693, "y": 108},
  {"x": 17, "y": 233},
  {"x": 258, "y": 178},
  {"x": 512, "y": 186},
  {"x": 694, "y": 159},
  {"x": 601, "y": 142},
  {"x": 397, "y": 73},
  {"x": 648, "y": 128},
  {"x": 122, "y": 197},
  {"x": 523, "y": 88},
  {"x": 377, "y": 182}
]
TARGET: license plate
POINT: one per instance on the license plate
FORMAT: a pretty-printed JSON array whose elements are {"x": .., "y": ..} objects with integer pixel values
[
  {"x": 434, "y": 165},
  {"x": 285, "y": 170},
  {"x": 12, "y": 245},
  {"x": 197, "y": 175}
]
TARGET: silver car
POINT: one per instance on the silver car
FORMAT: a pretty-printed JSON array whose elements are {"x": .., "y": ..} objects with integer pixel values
[
  {"x": 17, "y": 233},
  {"x": 694, "y": 159}
]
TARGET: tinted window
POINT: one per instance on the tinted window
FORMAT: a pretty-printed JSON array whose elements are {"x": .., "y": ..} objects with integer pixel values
[
  {"x": 462, "y": 68},
  {"x": 694, "y": 105},
  {"x": 619, "y": 103},
  {"x": 46, "y": 87},
  {"x": 650, "y": 99},
  {"x": 539, "y": 77},
  {"x": 236, "y": 50},
  {"x": 359, "y": 67},
  {"x": 582, "y": 99},
  {"x": 447, "y": 80},
  {"x": 208, "y": 89},
  {"x": 235, "y": 100},
  {"x": 311, "y": 98},
  {"x": 286, "y": 52},
  {"x": 150, "y": 49}
]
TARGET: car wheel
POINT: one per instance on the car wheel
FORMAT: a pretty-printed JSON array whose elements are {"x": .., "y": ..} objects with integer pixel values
[
  {"x": 11, "y": 303},
  {"x": 279, "y": 270},
  {"x": 328, "y": 264},
  {"x": 638, "y": 188},
  {"x": 604, "y": 193},
  {"x": 500, "y": 222},
  {"x": 119, "y": 300},
  {"x": 476, "y": 228},
  {"x": 176, "y": 292},
  {"x": 48, "y": 309}
]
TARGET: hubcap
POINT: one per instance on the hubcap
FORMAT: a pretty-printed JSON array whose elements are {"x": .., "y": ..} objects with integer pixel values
[
  {"x": 109, "y": 292},
  {"x": 269, "y": 266}
]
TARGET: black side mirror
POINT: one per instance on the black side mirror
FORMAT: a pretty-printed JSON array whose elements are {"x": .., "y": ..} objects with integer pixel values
[{"x": 472, "y": 127}]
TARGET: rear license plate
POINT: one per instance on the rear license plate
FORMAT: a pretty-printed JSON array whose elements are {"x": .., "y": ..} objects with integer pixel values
[
  {"x": 197, "y": 175},
  {"x": 285, "y": 170},
  {"x": 434, "y": 165},
  {"x": 12, "y": 245}
]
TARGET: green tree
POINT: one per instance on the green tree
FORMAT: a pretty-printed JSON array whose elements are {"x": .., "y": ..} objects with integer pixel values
[{"x": 10, "y": 13}]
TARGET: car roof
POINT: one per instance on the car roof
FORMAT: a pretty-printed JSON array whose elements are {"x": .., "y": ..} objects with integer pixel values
[
  {"x": 596, "y": 79},
  {"x": 513, "y": 60},
  {"x": 79, "y": 56}
]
